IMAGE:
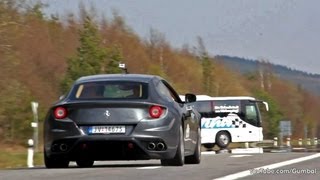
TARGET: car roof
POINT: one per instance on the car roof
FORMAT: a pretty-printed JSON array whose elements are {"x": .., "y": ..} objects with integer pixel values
[{"x": 115, "y": 77}]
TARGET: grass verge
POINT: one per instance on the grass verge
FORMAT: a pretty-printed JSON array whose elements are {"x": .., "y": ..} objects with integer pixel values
[{"x": 16, "y": 157}]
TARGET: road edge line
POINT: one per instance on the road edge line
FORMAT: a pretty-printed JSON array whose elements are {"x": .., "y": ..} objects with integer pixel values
[{"x": 270, "y": 166}]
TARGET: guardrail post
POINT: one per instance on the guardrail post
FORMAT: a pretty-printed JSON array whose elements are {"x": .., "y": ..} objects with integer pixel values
[
  {"x": 300, "y": 142},
  {"x": 30, "y": 153},
  {"x": 308, "y": 142},
  {"x": 288, "y": 142},
  {"x": 246, "y": 145},
  {"x": 275, "y": 142},
  {"x": 315, "y": 141}
]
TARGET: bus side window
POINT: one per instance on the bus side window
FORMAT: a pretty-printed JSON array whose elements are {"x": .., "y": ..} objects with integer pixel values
[
  {"x": 251, "y": 114},
  {"x": 204, "y": 108}
]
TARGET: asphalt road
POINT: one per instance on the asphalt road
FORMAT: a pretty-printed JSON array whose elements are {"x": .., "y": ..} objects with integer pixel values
[{"x": 222, "y": 165}]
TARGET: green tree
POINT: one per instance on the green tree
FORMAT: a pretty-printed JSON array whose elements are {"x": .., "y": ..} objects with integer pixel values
[
  {"x": 207, "y": 77},
  {"x": 114, "y": 57},
  {"x": 271, "y": 118},
  {"x": 15, "y": 118},
  {"x": 36, "y": 10},
  {"x": 207, "y": 67},
  {"x": 92, "y": 57}
]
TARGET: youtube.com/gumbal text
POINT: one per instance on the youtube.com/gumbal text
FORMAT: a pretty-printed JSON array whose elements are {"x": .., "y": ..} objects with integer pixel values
[{"x": 311, "y": 171}]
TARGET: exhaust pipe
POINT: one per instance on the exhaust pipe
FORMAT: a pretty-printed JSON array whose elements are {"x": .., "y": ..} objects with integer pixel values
[
  {"x": 55, "y": 147},
  {"x": 63, "y": 147},
  {"x": 151, "y": 146},
  {"x": 160, "y": 146}
]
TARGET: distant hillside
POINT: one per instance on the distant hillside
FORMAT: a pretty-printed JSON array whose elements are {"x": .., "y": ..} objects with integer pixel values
[{"x": 309, "y": 82}]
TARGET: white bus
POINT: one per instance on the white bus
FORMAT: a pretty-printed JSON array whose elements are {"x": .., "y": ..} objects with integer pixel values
[{"x": 229, "y": 119}]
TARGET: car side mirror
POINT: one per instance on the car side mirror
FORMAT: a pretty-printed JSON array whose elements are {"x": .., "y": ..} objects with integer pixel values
[{"x": 190, "y": 98}]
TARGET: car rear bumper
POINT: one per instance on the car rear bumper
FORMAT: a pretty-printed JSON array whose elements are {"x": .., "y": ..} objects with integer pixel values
[
  {"x": 110, "y": 148},
  {"x": 138, "y": 143}
]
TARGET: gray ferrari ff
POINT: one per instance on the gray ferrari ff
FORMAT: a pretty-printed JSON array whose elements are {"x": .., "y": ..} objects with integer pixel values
[{"x": 122, "y": 117}]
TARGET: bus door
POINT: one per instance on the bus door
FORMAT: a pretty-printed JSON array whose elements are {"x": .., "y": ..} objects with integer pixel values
[{"x": 252, "y": 117}]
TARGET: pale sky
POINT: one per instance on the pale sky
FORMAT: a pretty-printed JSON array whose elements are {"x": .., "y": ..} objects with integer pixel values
[{"x": 285, "y": 32}]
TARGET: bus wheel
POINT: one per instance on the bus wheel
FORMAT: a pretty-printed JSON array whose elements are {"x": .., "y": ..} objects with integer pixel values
[{"x": 223, "y": 139}]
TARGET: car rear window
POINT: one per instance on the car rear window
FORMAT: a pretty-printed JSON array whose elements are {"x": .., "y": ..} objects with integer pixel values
[{"x": 110, "y": 90}]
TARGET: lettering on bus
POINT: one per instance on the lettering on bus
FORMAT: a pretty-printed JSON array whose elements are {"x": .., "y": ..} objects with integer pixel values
[
  {"x": 225, "y": 109},
  {"x": 231, "y": 121}
]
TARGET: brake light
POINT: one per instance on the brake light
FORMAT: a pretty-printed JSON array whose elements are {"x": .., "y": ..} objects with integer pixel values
[
  {"x": 155, "y": 111},
  {"x": 60, "y": 113}
]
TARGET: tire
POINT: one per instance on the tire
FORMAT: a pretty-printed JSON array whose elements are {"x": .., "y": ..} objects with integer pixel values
[
  {"x": 178, "y": 159},
  {"x": 55, "y": 162},
  {"x": 209, "y": 145},
  {"x": 223, "y": 139},
  {"x": 196, "y": 157},
  {"x": 85, "y": 163}
]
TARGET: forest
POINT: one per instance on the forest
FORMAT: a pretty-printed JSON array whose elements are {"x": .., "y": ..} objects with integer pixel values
[
  {"x": 307, "y": 81},
  {"x": 40, "y": 56}
]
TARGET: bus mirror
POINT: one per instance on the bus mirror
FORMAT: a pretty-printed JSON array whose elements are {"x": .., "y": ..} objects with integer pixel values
[{"x": 266, "y": 104}]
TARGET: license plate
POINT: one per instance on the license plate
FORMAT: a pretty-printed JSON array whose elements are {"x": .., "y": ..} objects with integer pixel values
[{"x": 107, "y": 130}]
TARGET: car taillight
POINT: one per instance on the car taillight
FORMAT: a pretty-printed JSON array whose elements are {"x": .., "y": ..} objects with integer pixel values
[
  {"x": 60, "y": 113},
  {"x": 155, "y": 111}
]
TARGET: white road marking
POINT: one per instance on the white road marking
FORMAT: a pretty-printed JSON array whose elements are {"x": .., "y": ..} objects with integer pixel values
[
  {"x": 299, "y": 148},
  {"x": 208, "y": 153},
  {"x": 240, "y": 155},
  {"x": 246, "y": 150},
  {"x": 150, "y": 167},
  {"x": 271, "y": 166}
]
